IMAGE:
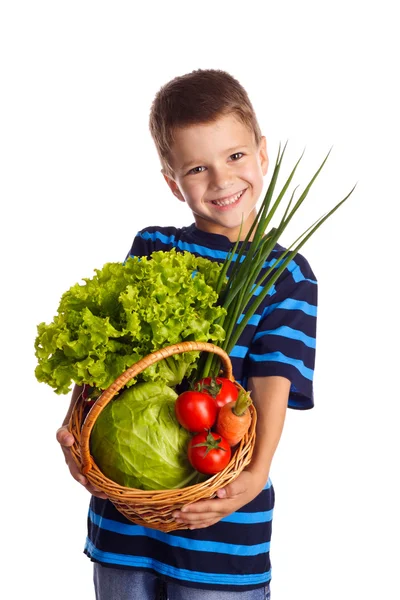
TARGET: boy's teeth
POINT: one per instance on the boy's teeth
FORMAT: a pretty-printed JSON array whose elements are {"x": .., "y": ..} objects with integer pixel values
[{"x": 227, "y": 202}]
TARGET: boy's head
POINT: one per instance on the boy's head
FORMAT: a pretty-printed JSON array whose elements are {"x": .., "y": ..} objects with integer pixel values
[{"x": 211, "y": 148}]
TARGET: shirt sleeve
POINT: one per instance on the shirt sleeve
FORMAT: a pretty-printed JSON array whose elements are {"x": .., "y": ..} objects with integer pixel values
[
  {"x": 141, "y": 246},
  {"x": 285, "y": 338}
]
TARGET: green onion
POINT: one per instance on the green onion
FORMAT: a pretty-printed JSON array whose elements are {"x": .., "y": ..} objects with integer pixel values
[{"x": 237, "y": 295}]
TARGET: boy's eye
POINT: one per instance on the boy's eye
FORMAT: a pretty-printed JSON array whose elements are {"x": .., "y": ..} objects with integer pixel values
[
  {"x": 235, "y": 156},
  {"x": 195, "y": 170}
]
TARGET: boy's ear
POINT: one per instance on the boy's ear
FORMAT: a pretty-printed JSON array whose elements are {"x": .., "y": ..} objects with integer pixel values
[
  {"x": 264, "y": 161},
  {"x": 173, "y": 187}
]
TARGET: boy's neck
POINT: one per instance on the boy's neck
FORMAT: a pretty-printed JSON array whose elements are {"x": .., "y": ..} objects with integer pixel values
[{"x": 232, "y": 233}]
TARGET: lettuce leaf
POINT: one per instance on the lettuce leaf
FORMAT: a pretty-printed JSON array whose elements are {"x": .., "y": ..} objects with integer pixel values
[{"x": 125, "y": 312}]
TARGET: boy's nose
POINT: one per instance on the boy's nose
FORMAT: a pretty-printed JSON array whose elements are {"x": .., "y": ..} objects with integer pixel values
[{"x": 221, "y": 179}]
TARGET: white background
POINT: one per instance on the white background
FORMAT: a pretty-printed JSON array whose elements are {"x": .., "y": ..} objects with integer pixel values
[{"x": 80, "y": 176}]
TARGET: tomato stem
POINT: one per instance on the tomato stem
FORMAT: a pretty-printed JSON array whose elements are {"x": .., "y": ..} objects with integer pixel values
[
  {"x": 210, "y": 443},
  {"x": 213, "y": 388}
]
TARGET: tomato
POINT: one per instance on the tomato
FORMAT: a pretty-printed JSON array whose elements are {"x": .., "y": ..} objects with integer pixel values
[
  {"x": 195, "y": 411},
  {"x": 223, "y": 390},
  {"x": 208, "y": 452}
]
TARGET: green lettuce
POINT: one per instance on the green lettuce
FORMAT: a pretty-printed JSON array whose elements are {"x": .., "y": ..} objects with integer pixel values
[
  {"x": 138, "y": 442},
  {"x": 125, "y": 312}
]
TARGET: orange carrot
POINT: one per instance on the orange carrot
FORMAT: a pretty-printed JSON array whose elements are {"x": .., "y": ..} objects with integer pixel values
[{"x": 234, "y": 419}]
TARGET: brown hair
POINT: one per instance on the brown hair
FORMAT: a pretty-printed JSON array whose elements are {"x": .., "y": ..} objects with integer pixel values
[{"x": 201, "y": 96}]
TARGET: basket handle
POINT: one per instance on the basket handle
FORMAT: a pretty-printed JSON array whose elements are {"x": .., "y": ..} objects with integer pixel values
[{"x": 130, "y": 373}]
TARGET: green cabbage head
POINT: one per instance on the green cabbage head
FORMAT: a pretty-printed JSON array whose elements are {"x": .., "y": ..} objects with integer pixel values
[{"x": 138, "y": 442}]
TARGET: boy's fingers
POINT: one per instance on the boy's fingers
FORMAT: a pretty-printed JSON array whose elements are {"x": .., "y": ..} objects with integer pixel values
[
  {"x": 197, "y": 514},
  {"x": 236, "y": 488},
  {"x": 64, "y": 437},
  {"x": 77, "y": 475},
  {"x": 201, "y": 506},
  {"x": 196, "y": 519},
  {"x": 66, "y": 440},
  {"x": 215, "y": 506},
  {"x": 202, "y": 525},
  {"x": 95, "y": 492},
  {"x": 231, "y": 490}
]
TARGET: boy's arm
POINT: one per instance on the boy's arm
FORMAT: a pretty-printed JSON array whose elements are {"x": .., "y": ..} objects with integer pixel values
[
  {"x": 270, "y": 397},
  {"x": 66, "y": 440}
]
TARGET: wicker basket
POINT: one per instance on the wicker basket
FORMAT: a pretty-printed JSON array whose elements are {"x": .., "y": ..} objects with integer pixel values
[{"x": 154, "y": 508}]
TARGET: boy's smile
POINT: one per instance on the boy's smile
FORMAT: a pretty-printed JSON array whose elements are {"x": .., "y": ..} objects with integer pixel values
[{"x": 218, "y": 171}]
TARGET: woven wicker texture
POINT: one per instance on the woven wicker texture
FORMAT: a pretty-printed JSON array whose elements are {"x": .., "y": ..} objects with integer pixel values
[{"x": 154, "y": 508}]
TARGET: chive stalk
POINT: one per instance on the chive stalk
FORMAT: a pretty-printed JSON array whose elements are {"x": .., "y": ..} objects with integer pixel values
[{"x": 237, "y": 296}]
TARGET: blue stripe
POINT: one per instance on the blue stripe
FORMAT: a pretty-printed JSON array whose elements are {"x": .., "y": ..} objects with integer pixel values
[
  {"x": 183, "y": 574},
  {"x": 177, "y": 541},
  {"x": 257, "y": 290},
  {"x": 292, "y": 267},
  {"x": 254, "y": 319},
  {"x": 239, "y": 351},
  {"x": 171, "y": 240},
  {"x": 288, "y": 332},
  {"x": 279, "y": 357},
  {"x": 297, "y": 275},
  {"x": 244, "y": 517},
  {"x": 291, "y": 304},
  {"x": 202, "y": 250}
]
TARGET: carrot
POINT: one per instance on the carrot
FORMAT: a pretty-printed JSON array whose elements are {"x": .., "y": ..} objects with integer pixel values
[{"x": 234, "y": 419}]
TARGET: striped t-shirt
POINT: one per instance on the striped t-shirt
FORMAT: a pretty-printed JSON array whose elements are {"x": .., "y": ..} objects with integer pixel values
[{"x": 279, "y": 339}]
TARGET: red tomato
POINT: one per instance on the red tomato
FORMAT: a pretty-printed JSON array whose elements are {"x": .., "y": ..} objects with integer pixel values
[
  {"x": 195, "y": 411},
  {"x": 223, "y": 390},
  {"x": 209, "y": 453}
]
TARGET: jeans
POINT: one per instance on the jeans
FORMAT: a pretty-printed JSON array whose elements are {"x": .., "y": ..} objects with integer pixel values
[{"x": 120, "y": 584}]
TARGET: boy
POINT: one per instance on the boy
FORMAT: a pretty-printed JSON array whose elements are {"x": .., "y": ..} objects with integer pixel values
[{"x": 214, "y": 158}]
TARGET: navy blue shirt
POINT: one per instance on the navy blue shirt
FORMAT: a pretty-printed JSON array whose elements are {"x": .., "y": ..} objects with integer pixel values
[{"x": 279, "y": 340}]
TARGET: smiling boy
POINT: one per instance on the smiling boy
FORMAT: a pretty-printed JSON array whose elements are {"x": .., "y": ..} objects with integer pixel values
[
  {"x": 217, "y": 168},
  {"x": 214, "y": 159}
]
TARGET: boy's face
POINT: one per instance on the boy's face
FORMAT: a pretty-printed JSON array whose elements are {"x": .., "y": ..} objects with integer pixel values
[{"x": 218, "y": 171}]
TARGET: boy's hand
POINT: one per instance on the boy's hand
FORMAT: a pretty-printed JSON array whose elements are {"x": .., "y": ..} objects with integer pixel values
[
  {"x": 66, "y": 440},
  {"x": 230, "y": 498}
]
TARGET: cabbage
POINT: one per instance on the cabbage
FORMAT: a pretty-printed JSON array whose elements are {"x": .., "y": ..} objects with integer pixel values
[{"x": 138, "y": 442}]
